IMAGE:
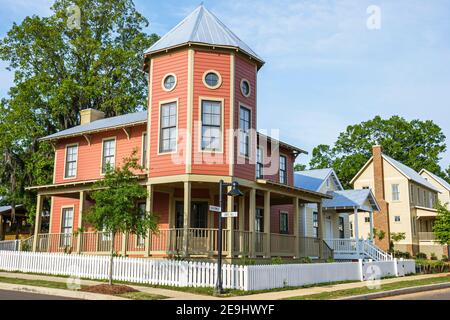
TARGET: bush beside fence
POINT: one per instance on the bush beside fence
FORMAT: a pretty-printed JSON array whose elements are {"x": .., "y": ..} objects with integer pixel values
[{"x": 197, "y": 274}]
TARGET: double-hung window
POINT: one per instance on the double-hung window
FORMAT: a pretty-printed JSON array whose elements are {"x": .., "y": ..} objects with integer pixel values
[
  {"x": 259, "y": 164},
  {"x": 66, "y": 227},
  {"x": 315, "y": 224},
  {"x": 395, "y": 192},
  {"x": 284, "y": 223},
  {"x": 259, "y": 227},
  {"x": 211, "y": 125},
  {"x": 341, "y": 228},
  {"x": 71, "y": 161},
  {"x": 283, "y": 171},
  {"x": 244, "y": 126},
  {"x": 168, "y": 134},
  {"x": 109, "y": 154}
]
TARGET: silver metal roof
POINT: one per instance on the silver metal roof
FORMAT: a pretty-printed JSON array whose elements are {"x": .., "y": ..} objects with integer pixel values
[
  {"x": 356, "y": 199},
  {"x": 201, "y": 27},
  {"x": 410, "y": 173},
  {"x": 314, "y": 179},
  {"x": 441, "y": 181},
  {"x": 100, "y": 125}
]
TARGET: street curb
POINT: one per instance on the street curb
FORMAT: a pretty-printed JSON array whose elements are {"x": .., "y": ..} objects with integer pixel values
[
  {"x": 58, "y": 292},
  {"x": 397, "y": 292}
]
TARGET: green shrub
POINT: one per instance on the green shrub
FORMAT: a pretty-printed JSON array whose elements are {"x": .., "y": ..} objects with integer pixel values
[
  {"x": 433, "y": 256},
  {"x": 246, "y": 261},
  {"x": 421, "y": 255},
  {"x": 400, "y": 254},
  {"x": 444, "y": 258},
  {"x": 305, "y": 260},
  {"x": 277, "y": 260},
  {"x": 330, "y": 260}
]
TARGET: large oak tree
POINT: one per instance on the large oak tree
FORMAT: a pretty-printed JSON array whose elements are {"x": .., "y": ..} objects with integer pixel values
[
  {"x": 418, "y": 144},
  {"x": 60, "y": 69}
]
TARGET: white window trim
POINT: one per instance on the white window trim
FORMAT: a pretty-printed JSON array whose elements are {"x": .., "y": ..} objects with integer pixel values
[
  {"x": 286, "y": 169},
  {"x": 164, "y": 79},
  {"x": 161, "y": 103},
  {"x": 200, "y": 124},
  {"x": 256, "y": 163},
  {"x": 287, "y": 221},
  {"x": 61, "y": 221},
  {"x": 144, "y": 161},
  {"x": 219, "y": 83},
  {"x": 115, "y": 153},
  {"x": 65, "y": 160},
  {"x": 241, "y": 105},
  {"x": 249, "y": 88},
  {"x": 398, "y": 192}
]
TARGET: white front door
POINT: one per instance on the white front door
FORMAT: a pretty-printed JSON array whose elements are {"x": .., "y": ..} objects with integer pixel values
[{"x": 328, "y": 229}]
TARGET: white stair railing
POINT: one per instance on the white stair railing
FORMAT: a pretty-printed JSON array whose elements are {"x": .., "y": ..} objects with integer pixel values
[
  {"x": 359, "y": 249},
  {"x": 371, "y": 250}
]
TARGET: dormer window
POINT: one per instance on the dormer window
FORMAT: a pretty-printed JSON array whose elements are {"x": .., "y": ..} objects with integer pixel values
[
  {"x": 169, "y": 82},
  {"x": 212, "y": 79}
]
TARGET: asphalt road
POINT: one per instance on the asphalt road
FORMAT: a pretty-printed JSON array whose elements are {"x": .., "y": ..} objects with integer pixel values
[
  {"x": 16, "y": 295},
  {"x": 443, "y": 294}
]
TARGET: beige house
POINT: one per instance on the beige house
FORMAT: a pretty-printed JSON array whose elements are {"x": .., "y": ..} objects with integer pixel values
[
  {"x": 406, "y": 201},
  {"x": 438, "y": 182}
]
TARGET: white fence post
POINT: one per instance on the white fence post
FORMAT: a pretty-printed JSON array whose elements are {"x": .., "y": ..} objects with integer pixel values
[
  {"x": 395, "y": 267},
  {"x": 360, "y": 270}
]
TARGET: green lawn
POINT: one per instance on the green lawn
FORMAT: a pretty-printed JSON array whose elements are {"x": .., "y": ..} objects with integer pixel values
[
  {"x": 63, "y": 285},
  {"x": 364, "y": 290},
  {"x": 37, "y": 283}
]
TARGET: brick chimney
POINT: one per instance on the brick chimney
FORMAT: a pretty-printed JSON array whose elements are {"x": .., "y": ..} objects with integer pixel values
[
  {"x": 90, "y": 115},
  {"x": 380, "y": 219}
]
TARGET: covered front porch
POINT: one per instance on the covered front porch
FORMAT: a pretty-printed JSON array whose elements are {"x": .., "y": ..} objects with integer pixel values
[
  {"x": 355, "y": 202},
  {"x": 266, "y": 226}
]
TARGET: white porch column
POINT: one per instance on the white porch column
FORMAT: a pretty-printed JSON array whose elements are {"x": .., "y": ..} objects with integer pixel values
[
  {"x": 356, "y": 224},
  {"x": 187, "y": 217},
  {"x": 37, "y": 224},
  {"x": 371, "y": 226},
  {"x": 267, "y": 222},
  {"x": 148, "y": 209},
  {"x": 252, "y": 222},
  {"x": 296, "y": 227},
  {"x": 356, "y": 231}
]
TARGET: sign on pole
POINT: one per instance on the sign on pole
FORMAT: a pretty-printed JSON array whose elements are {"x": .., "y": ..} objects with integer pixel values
[
  {"x": 215, "y": 209},
  {"x": 231, "y": 214}
]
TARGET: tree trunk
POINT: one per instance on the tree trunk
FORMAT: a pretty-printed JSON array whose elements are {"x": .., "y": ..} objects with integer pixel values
[{"x": 113, "y": 235}]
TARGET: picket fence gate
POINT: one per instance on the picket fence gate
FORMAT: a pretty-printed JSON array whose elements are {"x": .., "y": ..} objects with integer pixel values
[{"x": 198, "y": 274}]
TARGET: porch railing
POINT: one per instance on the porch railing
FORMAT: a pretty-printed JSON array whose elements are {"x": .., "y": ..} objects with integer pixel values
[
  {"x": 427, "y": 236},
  {"x": 282, "y": 244}
]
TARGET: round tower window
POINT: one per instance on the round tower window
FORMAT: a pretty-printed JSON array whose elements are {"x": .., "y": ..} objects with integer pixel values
[
  {"x": 212, "y": 79},
  {"x": 245, "y": 87},
  {"x": 169, "y": 82}
]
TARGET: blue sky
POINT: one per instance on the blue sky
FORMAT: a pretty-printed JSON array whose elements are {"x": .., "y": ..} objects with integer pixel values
[{"x": 324, "y": 68}]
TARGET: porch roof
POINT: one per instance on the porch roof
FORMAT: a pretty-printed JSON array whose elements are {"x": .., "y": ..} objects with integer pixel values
[
  {"x": 294, "y": 189},
  {"x": 362, "y": 200}
]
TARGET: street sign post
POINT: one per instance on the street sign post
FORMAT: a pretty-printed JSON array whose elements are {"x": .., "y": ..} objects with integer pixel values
[
  {"x": 215, "y": 209},
  {"x": 231, "y": 214}
]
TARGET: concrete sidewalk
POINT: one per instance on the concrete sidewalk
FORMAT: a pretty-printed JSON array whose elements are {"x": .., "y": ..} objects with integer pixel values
[{"x": 180, "y": 295}]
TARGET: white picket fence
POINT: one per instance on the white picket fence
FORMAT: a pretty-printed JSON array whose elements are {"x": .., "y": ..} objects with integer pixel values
[{"x": 197, "y": 274}]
